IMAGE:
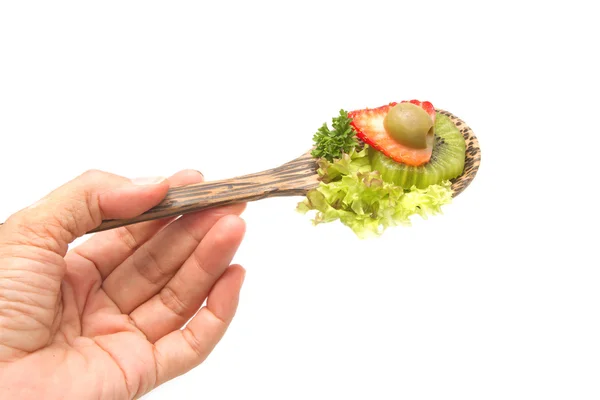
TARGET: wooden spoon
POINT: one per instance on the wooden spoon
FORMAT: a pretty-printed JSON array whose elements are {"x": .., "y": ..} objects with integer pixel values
[{"x": 294, "y": 178}]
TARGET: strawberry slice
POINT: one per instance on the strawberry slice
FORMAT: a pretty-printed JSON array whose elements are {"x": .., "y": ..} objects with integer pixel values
[
  {"x": 425, "y": 105},
  {"x": 368, "y": 124}
]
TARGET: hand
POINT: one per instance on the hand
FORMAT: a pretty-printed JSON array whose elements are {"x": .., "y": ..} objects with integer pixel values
[{"x": 103, "y": 321}]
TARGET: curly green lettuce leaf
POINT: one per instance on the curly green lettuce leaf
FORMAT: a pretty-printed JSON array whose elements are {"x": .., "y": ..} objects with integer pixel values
[
  {"x": 351, "y": 192},
  {"x": 350, "y": 163}
]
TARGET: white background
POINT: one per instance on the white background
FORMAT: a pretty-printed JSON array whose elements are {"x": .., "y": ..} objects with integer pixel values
[{"x": 498, "y": 298}]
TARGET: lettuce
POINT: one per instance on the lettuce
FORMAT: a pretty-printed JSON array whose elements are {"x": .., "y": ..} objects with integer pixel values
[{"x": 350, "y": 191}]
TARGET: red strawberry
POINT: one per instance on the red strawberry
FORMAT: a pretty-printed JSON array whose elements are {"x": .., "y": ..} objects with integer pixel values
[
  {"x": 368, "y": 124},
  {"x": 425, "y": 105}
]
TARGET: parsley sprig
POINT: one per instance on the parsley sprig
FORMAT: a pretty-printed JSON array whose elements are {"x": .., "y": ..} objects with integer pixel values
[{"x": 332, "y": 143}]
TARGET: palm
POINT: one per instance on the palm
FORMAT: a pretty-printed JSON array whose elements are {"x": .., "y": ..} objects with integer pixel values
[
  {"x": 101, "y": 345},
  {"x": 102, "y": 341},
  {"x": 112, "y": 329}
]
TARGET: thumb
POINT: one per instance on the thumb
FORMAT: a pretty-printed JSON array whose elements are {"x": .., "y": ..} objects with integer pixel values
[{"x": 80, "y": 206}]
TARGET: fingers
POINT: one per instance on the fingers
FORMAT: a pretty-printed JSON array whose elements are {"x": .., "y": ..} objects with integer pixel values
[
  {"x": 146, "y": 271},
  {"x": 183, "y": 295},
  {"x": 78, "y": 207},
  {"x": 106, "y": 250},
  {"x": 182, "y": 350}
]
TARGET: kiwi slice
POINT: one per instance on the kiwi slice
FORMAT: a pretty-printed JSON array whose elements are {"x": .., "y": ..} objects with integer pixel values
[{"x": 447, "y": 159}]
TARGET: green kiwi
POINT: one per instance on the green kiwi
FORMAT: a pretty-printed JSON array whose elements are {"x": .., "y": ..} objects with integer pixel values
[{"x": 447, "y": 159}]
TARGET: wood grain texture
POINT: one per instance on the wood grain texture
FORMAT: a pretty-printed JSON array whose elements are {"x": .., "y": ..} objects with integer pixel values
[
  {"x": 294, "y": 178},
  {"x": 472, "y": 155}
]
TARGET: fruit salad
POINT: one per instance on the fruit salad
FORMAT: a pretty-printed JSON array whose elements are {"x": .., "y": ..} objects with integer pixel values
[{"x": 380, "y": 166}]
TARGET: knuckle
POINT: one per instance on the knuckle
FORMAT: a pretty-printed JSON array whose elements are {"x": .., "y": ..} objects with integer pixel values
[
  {"x": 71, "y": 216},
  {"x": 148, "y": 266},
  {"x": 93, "y": 174},
  {"x": 197, "y": 346},
  {"x": 173, "y": 302},
  {"x": 125, "y": 236},
  {"x": 200, "y": 263},
  {"x": 71, "y": 220}
]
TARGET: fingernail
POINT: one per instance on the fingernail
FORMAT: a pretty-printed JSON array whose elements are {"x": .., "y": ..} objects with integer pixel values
[
  {"x": 154, "y": 180},
  {"x": 195, "y": 171}
]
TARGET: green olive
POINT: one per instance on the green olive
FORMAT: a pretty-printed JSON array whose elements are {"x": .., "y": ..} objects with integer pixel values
[{"x": 409, "y": 125}]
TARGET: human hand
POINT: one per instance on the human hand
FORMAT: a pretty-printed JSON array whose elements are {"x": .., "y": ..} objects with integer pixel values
[{"x": 102, "y": 321}]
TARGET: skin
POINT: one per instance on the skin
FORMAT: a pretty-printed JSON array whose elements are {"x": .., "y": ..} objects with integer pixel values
[{"x": 103, "y": 320}]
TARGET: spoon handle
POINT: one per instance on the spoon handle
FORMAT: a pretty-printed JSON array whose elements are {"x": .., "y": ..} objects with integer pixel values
[{"x": 294, "y": 178}]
